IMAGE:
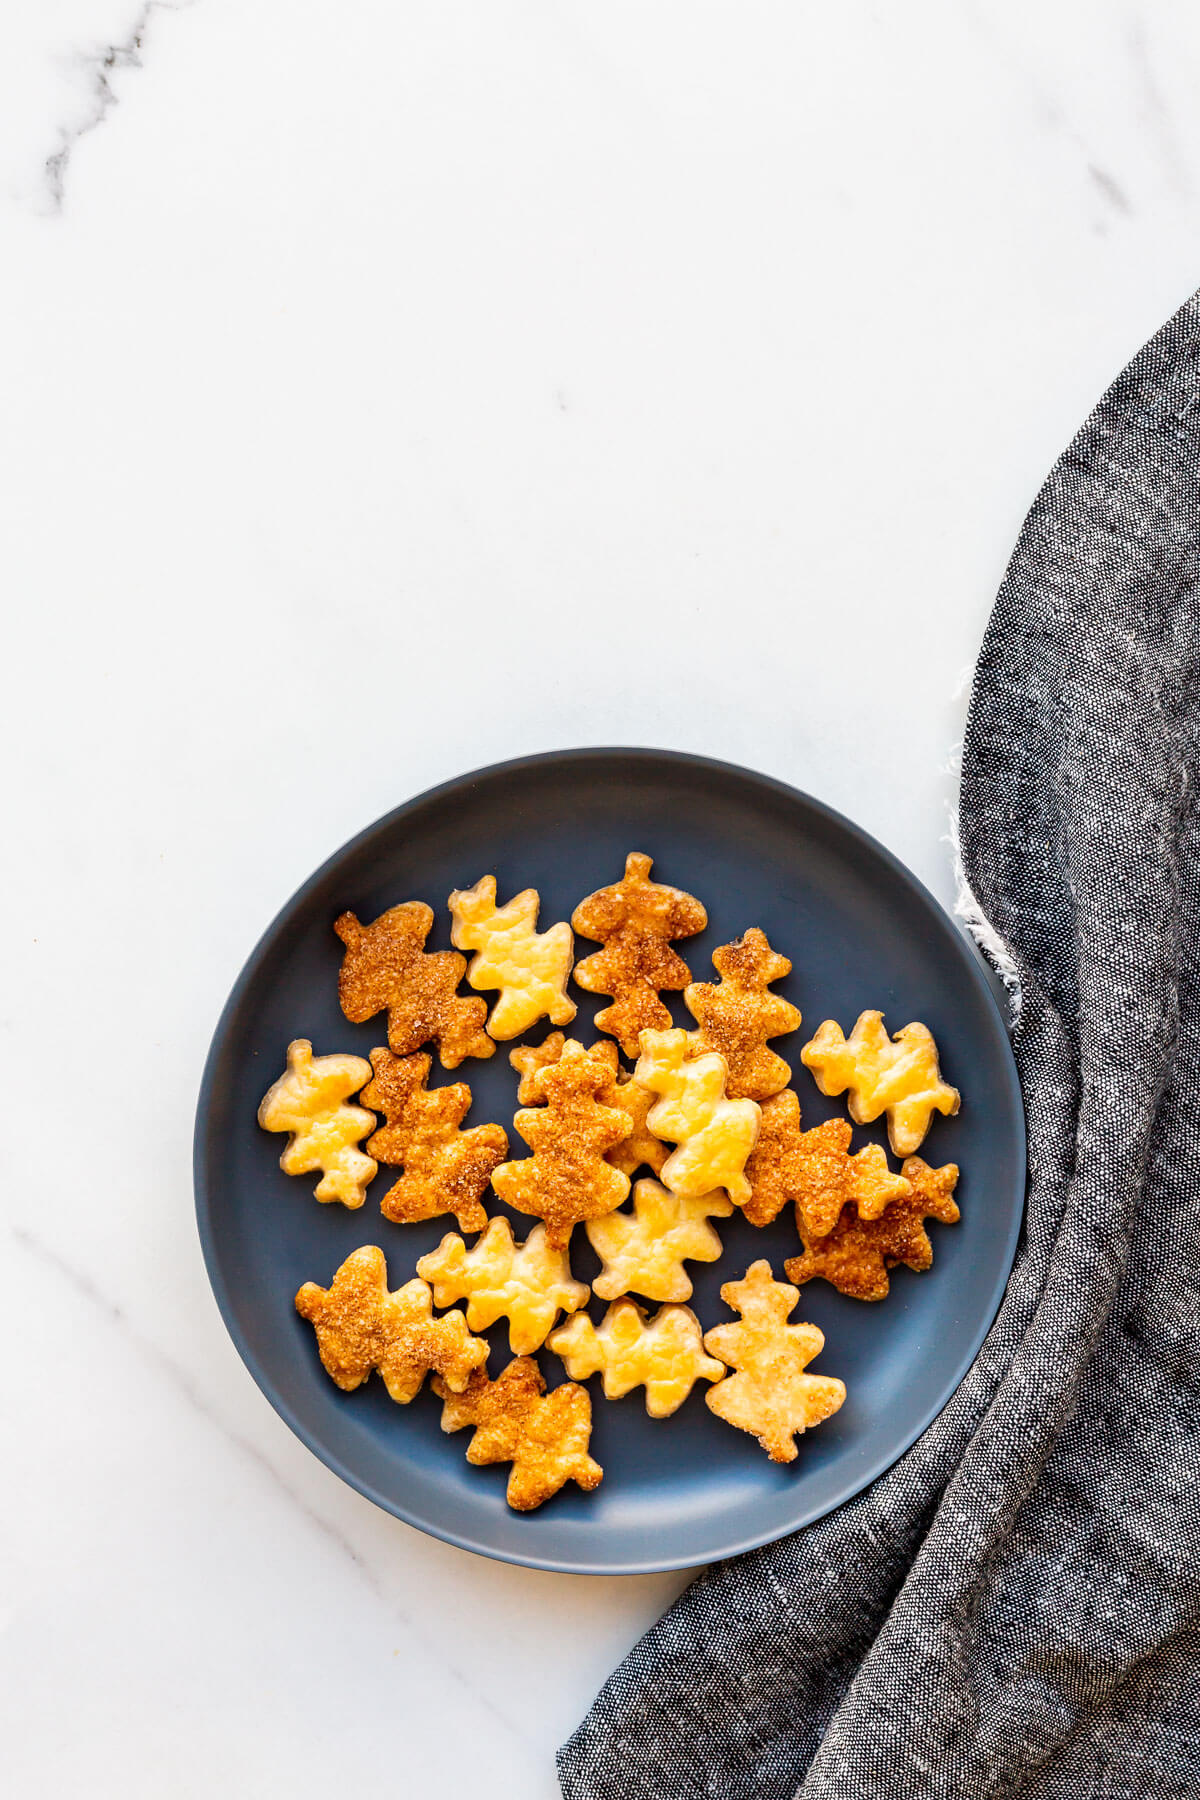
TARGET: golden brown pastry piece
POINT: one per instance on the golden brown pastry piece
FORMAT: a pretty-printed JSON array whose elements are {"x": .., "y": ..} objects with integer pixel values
[
  {"x": 567, "y": 1179},
  {"x": 360, "y": 1326},
  {"x": 663, "y": 1354},
  {"x": 544, "y": 1436},
  {"x": 814, "y": 1170},
  {"x": 386, "y": 966},
  {"x": 737, "y": 1015},
  {"x": 898, "y": 1076},
  {"x": 636, "y": 921},
  {"x": 857, "y": 1254},
  {"x": 641, "y": 1149},
  {"x": 770, "y": 1396},
  {"x": 309, "y": 1101},
  {"x": 527, "y": 1284},
  {"x": 530, "y": 1059},
  {"x": 445, "y": 1170},
  {"x": 529, "y": 967}
]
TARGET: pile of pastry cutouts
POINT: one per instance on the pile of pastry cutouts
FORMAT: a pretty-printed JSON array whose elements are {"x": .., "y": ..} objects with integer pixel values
[{"x": 708, "y": 1112}]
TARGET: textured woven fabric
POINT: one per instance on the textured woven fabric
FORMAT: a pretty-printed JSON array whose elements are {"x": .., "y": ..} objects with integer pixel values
[{"x": 1014, "y": 1609}]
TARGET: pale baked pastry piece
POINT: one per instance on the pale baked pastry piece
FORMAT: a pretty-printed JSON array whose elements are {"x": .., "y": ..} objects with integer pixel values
[
  {"x": 544, "y": 1436},
  {"x": 663, "y": 1354},
  {"x": 898, "y": 1076},
  {"x": 387, "y": 967},
  {"x": 713, "y": 1134},
  {"x": 641, "y": 1149},
  {"x": 528, "y": 1284},
  {"x": 739, "y": 1013},
  {"x": 361, "y": 1326},
  {"x": 814, "y": 1170},
  {"x": 445, "y": 1170},
  {"x": 529, "y": 967},
  {"x": 771, "y": 1395},
  {"x": 309, "y": 1102},
  {"x": 567, "y": 1179},
  {"x": 644, "y": 1251},
  {"x": 856, "y": 1253},
  {"x": 636, "y": 920}
]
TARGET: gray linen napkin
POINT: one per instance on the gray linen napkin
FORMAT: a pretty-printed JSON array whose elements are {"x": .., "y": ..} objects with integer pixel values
[{"x": 1014, "y": 1608}]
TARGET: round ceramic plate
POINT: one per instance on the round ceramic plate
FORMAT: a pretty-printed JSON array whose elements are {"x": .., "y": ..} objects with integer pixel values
[{"x": 860, "y": 931}]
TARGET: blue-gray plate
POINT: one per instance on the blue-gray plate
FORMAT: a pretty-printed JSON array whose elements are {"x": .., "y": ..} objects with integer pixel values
[{"x": 861, "y": 932}]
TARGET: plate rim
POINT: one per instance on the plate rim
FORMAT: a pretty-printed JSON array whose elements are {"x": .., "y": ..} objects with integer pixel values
[{"x": 201, "y": 1175}]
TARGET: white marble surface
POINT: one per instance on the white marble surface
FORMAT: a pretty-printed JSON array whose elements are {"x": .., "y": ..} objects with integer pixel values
[{"x": 388, "y": 389}]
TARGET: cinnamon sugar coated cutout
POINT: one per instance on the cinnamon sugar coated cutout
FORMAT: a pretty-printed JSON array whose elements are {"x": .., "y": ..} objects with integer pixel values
[
  {"x": 567, "y": 1179},
  {"x": 663, "y": 1354},
  {"x": 360, "y": 1326},
  {"x": 898, "y": 1076},
  {"x": 737, "y": 1015},
  {"x": 544, "y": 1436},
  {"x": 636, "y": 920},
  {"x": 713, "y": 1135},
  {"x": 857, "y": 1253},
  {"x": 644, "y": 1251},
  {"x": 445, "y": 1170},
  {"x": 530, "y": 1059},
  {"x": 309, "y": 1101},
  {"x": 528, "y": 1284},
  {"x": 386, "y": 967},
  {"x": 813, "y": 1170},
  {"x": 529, "y": 967},
  {"x": 641, "y": 1149},
  {"x": 771, "y": 1396}
]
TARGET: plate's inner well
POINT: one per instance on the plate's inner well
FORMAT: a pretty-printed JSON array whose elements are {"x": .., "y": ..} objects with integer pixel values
[{"x": 860, "y": 933}]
